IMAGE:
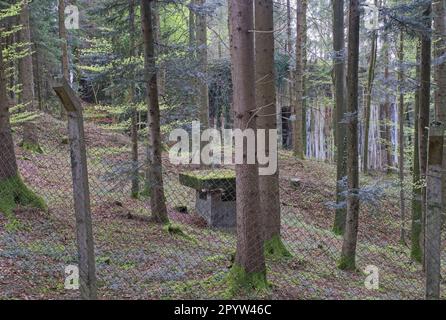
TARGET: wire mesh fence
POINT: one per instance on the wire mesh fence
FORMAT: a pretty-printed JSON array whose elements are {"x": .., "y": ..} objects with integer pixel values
[{"x": 190, "y": 257}]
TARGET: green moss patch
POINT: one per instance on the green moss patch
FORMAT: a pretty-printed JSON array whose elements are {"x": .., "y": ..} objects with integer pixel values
[
  {"x": 209, "y": 179},
  {"x": 31, "y": 147},
  {"x": 176, "y": 230},
  {"x": 347, "y": 263},
  {"x": 239, "y": 281},
  {"x": 274, "y": 248},
  {"x": 14, "y": 192}
]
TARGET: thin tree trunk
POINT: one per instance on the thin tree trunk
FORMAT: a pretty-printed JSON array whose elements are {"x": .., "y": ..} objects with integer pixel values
[
  {"x": 298, "y": 104},
  {"x": 201, "y": 34},
  {"x": 134, "y": 119},
  {"x": 157, "y": 199},
  {"x": 249, "y": 262},
  {"x": 304, "y": 77},
  {"x": 387, "y": 141},
  {"x": 339, "y": 78},
  {"x": 401, "y": 139},
  {"x": 26, "y": 63},
  {"x": 64, "y": 40},
  {"x": 425, "y": 74},
  {"x": 348, "y": 255},
  {"x": 416, "y": 189},
  {"x": 368, "y": 97}
]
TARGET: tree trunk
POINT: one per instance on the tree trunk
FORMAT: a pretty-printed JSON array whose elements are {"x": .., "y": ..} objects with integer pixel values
[
  {"x": 439, "y": 8},
  {"x": 298, "y": 104},
  {"x": 416, "y": 189},
  {"x": 12, "y": 189},
  {"x": 134, "y": 120},
  {"x": 26, "y": 63},
  {"x": 157, "y": 199},
  {"x": 8, "y": 162},
  {"x": 339, "y": 78},
  {"x": 201, "y": 34},
  {"x": 267, "y": 120},
  {"x": 423, "y": 122},
  {"x": 64, "y": 40},
  {"x": 304, "y": 77},
  {"x": 249, "y": 267},
  {"x": 368, "y": 98},
  {"x": 387, "y": 141},
  {"x": 401, "y": 139},
  {"x": 348, "y": 255}
]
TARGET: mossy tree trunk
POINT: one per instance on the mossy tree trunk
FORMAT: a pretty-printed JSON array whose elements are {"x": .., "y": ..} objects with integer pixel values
[
  {"x": 249, "y": 267},
  {"x": 267, "y": 120},
  {"x": 157, "y": 198},
  {"x": 12, "y": 189},
  {"x": 348, "y": 255}
]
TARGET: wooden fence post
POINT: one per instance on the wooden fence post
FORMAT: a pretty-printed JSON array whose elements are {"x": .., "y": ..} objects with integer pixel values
[
  {"x": 81, "y": 192},
  {"x": 432, "y": 232}
]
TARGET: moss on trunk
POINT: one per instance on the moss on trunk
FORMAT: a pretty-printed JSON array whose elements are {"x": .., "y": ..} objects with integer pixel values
[
  {"x": 240, "y": 281},
  {"x": 347, "y": 263},
  {"x": 14, "y": 192},
  {"x": 274, "y": 248}
]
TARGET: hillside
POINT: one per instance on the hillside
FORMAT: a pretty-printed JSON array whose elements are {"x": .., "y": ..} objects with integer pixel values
[{"x": 139, "y": 259}]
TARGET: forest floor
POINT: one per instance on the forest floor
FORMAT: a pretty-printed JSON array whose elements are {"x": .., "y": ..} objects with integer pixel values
[{"x": 137, "y": 259}]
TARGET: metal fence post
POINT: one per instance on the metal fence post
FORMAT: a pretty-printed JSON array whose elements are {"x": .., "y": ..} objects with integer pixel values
[{"x": 81, "y": 192}]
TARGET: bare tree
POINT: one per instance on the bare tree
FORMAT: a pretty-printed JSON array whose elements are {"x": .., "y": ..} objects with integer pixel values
[
  {"x": 423, "y": 121},
  {"x": 298, "y": 143},
  {"x": 157, "y": 199},
  {"x": 368, "y": 97},
  {"x": 401, "y": 138},
  {"x": 348, "y": 255},
  {"x": 266, "y": 106},
  {"x": 249, "y": 266},
  {"x": 201, "y": 38},
  {"x": 339, "y": 79},
  {"x": 131, "y": 97}
]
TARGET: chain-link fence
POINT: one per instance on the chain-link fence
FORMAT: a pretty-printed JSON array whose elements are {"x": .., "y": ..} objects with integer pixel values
[{"x": 190, "y": 257}]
